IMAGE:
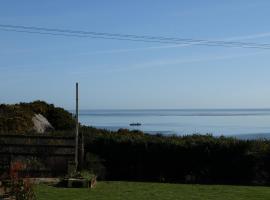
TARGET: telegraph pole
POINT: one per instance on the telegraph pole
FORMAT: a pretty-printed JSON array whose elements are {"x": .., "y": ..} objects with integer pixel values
[{"x": 77, "y": 127}]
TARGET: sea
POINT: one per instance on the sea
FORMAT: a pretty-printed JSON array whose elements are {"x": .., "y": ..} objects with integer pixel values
[{"x": 241, "y": 123}]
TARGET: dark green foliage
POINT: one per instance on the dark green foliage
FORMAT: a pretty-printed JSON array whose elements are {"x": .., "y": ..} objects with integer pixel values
[
  {"x": 18, "y": 118},
  {"x": 60, "y": 119},
  {"x": 132, "y": 155},
  {"x": 95, "y": 165},
  {"x": 13, "y": 118}
]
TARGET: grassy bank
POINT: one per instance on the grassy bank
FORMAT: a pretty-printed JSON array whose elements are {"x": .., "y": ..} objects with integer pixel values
[{"x": 158, "y": 191}]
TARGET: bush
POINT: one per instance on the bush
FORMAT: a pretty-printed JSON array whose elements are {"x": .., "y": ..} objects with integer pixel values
[
  {"x": 21, "y": 189},
  {"x": 88, "y": 175},
  {"x": 94, "y": 165},
  {"x": 132, "y": 156},
  {"x": 17, "y": 118},
  {"x": 61, "y": 119}
]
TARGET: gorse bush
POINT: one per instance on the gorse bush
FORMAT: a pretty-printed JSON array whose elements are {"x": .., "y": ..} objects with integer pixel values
[{"x": 17, "y": 118}]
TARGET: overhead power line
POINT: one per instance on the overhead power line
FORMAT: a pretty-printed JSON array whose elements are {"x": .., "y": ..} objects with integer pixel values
[
  {"x": 128, "y": 37},
  {"x": 89, "y": 36}
]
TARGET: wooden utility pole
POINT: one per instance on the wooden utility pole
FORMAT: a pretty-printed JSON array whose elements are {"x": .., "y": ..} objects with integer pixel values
[
  {"x": 82, "y": 151},
  {"x": 77, "y": 127}
]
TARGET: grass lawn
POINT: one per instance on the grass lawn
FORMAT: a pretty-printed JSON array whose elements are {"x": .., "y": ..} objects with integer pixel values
[{"x": 155, "y": 191}]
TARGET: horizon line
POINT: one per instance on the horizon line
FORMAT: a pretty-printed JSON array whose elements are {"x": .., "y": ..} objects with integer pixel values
[{"x": 253, "y": 108}]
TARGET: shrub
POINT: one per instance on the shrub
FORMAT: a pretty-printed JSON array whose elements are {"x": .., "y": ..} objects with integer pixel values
[
  {"x": 17, "y": 118},
  {"x": 21, "y": 189},
  {"x": 95, "y": 165}
]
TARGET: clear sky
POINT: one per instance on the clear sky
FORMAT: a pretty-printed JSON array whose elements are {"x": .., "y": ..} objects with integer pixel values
[{"x": 124, "y": 74}]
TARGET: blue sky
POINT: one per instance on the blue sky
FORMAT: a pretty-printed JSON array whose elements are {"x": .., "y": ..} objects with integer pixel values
[{"x": 124, "y": 74}]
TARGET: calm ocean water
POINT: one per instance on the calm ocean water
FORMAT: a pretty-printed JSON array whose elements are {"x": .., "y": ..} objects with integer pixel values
[{"x": 214, "y": 121}]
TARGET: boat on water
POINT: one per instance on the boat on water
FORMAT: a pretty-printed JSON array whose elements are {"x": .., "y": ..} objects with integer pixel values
[{"x": 135, "y": 124}]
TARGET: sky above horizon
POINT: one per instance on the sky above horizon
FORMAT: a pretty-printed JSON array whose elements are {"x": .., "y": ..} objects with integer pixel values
[{"x": 132, "y": 75}]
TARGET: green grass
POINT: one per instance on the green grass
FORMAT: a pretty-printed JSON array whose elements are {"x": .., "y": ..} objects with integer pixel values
[{"x": 155, "y": 191}]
